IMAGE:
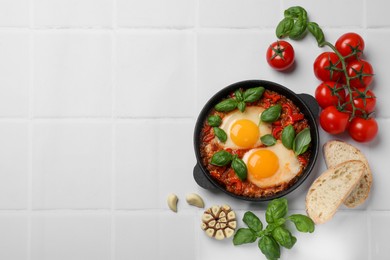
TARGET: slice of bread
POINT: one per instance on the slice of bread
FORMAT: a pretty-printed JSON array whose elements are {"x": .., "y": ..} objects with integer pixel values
[
  {"x": 331, "y": 188},
  {"x": 336, "y": 152}
]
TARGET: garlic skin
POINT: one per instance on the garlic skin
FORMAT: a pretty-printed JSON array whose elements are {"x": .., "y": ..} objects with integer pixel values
[
  {"x": 172, "y": 202},
  {"x": 195, "y": 200}
]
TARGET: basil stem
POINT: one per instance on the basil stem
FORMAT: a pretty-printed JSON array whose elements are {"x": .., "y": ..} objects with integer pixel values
[
  {"x": 271, "y": 114},
  {"x": 302, "y": 141},
  {"x": 239, "y": 168},
  {"x": 268, "y": 140},
  {"x": 221, "y": 158},
  {"x": 288, "y": 135},
  {"x": 222, "y": 136},
  {"x": 253, "y": 94},
  {"x": 214, "y": 120},
  {"x": 226, "y": 105}
]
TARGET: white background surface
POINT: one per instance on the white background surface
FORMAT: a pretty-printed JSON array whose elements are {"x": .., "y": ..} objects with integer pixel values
[{"x": 98, "y": 100}]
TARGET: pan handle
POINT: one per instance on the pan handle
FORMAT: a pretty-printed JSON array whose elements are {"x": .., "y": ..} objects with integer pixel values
[
  {"x": 311, "y": 102},
  {"x": 202, "y": 180}
]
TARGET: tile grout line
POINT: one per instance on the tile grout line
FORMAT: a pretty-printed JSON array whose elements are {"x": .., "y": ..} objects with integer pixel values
[
  {"x": 113, "y": 126},
  {"x": 30, "y": 130},
  {"x": 369, "y": 234}
]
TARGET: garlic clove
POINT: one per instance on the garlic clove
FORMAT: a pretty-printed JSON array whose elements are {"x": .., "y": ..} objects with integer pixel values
[
  {"x": 172, "y": 202},
  {"x": 195, "y": 200}
]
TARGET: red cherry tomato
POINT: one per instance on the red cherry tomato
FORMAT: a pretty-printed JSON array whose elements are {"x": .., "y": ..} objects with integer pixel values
[
  {"x": 362, "y": 72},
  {"x": 280, "y": 55},
  {"x": 358, "y": 100},
  {"x": 363, "y": 130},
  {"x": 333, "y": 121},
  {"x": 328, "y": 94},
  {"x": 327, "y": 67},
  {"x": 350, "y": 43}
]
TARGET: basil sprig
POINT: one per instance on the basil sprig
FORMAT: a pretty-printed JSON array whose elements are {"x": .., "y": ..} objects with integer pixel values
[
  {"x": 276, "y": 233},
  {"x": 268, "y": 140},
  {"x": 302, "y": 141},
  {"x": 295, "y": 23},
  {"x": 240, "y": 99},
  {"x": 220, "y": 133},
  {"x": 271, "y": 114},
  {"x": 223, "y": 158}
]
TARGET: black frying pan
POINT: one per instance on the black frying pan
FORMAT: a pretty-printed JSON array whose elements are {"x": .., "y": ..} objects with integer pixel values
[{"x": 306, "y": 103}]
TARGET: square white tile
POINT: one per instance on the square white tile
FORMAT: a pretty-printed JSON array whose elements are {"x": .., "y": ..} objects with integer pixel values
[
  {"x": 227, "y": 57},
  {"x": 377, "y": 15},
  {"x": 14, "y": 165},
  {"x": 380, "y": 228},
  {"x": 153, "y": 67},
  {"x": 14, "y": 13},
  {"x": 319, "y": 12},
  {"x": 71, "y": 165},
  {"x": 13, "y": 236},
  {"x": 136, "y": 236},
  {"x": 155, "y": 235},
  {"x": 136, "y": 164},
  {"x": 175, "y": 160},
  {"x": 73, "y": 13},
  {"x": 239, "y": 14},
  {"x": 72, "y": 74},
  {"x": 70, "y": 236},
  {"x": 155, "y": 13},
  {"x": 15, "y": 73}
]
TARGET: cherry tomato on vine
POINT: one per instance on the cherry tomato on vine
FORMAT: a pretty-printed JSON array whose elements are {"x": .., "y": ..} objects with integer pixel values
[
  {"x": 362, "y": 73},
  {"x": 334, "y": 121},
  {"x": 350, "y": 43},
  {"x": 327, "y": 67},
  {"x": 328, "y": 94},
  {"x": 280, "y": 55},
  {"x": 363, "y": 130},
  {"x": 368, "y": 106}
]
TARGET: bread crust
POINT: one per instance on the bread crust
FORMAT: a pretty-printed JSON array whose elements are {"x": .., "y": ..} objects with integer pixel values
[
  {"x": 318, "y": 208},
  {"x": 360, "y": 194}
]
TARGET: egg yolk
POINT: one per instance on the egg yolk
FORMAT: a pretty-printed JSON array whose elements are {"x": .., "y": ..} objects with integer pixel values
[
  {"x": 263, "y": 164},
  {"x": 244, "y": 133}
]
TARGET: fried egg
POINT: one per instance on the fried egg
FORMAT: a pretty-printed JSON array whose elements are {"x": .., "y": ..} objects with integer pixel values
[
  {"x": 271, "y": 166},
  {"x": 244, "y": 129}
]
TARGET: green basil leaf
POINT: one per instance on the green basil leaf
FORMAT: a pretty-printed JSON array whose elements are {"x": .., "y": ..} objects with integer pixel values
[
  {"x": 221, "y": 158},
  {"x": 241, "y": 106},
  {"x": 268, "y": 140},
  {"x": 284, "y": 27},
  {"x": 317, "y": 32},
  {"x": 302, "y": 142},
  {"x": 253, "y": 94},
  {"x": 269, "y": 247},
  {"x": 244, "y": 236},
  {"x": 239, "y": 95},
  {"x": 302, "y": 223},
  {"x": 298, "y": 29},
  {"x": 239, "y": 168},
  {"x": 284, "y": 237},
  {"x": 295, "y": 12},
  {"x": 288, "y": 135},
  {"x": 222, "y": 136},
  {"x": 276, "y": 209},
  {"x": 214, "y": 120},
  {"x": 271, "y": 114},
  {"x": 252, "y": 221},
  {"x": 226, "y": 105}
]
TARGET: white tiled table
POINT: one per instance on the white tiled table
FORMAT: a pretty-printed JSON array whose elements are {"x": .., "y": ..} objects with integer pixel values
[{"x": 98, "y": 100}]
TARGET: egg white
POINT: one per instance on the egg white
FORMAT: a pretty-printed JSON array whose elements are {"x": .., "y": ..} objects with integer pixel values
[
  {"x": 289, "y": 166},
  {"x": 253, "y": 114}
]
